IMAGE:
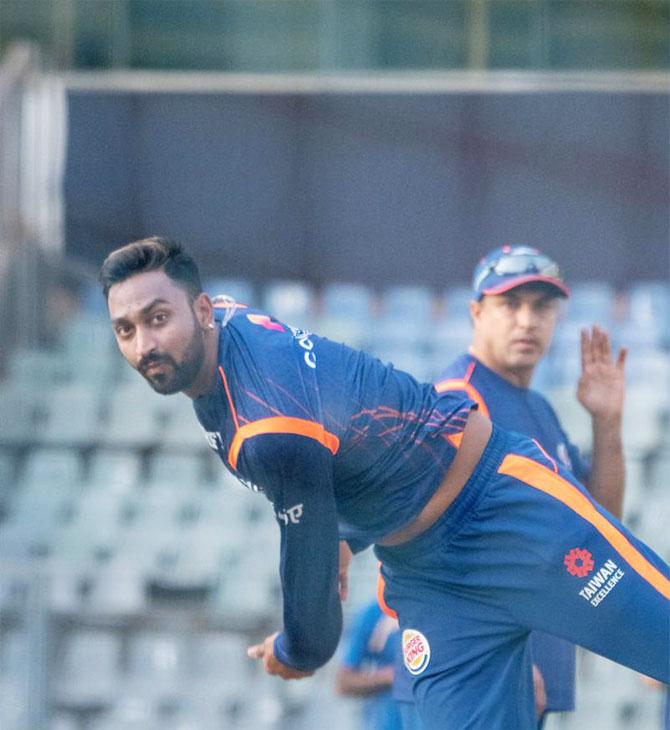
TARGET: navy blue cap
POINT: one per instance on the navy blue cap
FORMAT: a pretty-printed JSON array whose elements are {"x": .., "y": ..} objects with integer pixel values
[{"x": 510, "y": 266}]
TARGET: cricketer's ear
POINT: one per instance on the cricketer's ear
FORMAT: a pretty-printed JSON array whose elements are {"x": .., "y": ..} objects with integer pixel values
[
  {"x": 475, "y": 311},
  {"x": 204, "y": 310}
]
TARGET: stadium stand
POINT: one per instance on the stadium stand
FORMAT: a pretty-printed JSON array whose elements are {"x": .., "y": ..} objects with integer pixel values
[{"x": 161, "y": 568}]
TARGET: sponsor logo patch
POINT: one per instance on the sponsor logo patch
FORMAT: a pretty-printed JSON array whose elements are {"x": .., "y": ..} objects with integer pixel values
[
  {"x": 415, "y": 651},
  {"x": 579, "y": 562},
  {"x": 602, "y": 583},
  {"x": 290, "y": 515}
]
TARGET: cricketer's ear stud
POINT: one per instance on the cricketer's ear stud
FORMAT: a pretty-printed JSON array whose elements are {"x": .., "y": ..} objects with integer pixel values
[{"x": 210, "y": 326}]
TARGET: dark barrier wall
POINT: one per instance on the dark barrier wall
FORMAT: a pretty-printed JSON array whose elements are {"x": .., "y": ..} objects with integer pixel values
[{"x": 374, "y": 188}]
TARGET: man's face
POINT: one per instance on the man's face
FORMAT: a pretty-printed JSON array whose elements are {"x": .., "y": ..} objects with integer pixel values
[
  {"x": 157, "y": 330},
  {"x": 515, "y": 328}
]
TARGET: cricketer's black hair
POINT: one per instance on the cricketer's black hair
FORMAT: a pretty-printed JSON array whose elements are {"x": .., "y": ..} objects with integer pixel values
[{"x": 151, "y": 254}]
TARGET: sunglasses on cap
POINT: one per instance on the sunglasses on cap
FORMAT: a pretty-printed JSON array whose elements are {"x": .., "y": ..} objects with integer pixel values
[{"x": 520, "y": 264}]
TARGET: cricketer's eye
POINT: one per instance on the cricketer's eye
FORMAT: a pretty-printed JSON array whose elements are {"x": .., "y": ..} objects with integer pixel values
[
  {"x": 158, "y": 318},
  {"x": 123, "y": 331}
]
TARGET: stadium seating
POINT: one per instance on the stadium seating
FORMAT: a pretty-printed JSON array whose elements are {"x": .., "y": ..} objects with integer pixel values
[
  {"x": 241, "y": 290},
  {"x": 347, "y": 314},
  {"x": 292, "y": 302},
  {"x": 111, "y": 490},
  {"x": 90, "y": 669}
]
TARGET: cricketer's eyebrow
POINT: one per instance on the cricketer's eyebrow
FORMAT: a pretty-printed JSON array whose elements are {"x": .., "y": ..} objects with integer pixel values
[{"x": 144, "y": 311}]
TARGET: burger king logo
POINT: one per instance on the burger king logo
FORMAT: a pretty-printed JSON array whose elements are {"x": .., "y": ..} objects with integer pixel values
[{"x": 415, "y": 650}]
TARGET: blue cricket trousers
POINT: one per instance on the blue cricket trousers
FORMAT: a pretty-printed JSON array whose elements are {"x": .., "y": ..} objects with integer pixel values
[{"x": 522, "y": 547}]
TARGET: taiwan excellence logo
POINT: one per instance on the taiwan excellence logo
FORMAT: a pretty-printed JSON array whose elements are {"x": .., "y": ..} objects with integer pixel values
[
  {"x": 579, "y": 562},
  {"x": 415, "y": 650}
]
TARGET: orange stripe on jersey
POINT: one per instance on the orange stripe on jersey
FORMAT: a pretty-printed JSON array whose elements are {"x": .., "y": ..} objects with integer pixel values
[
  {"x": 541, "y": 477},
  {"x": 381, "y": 587},
  {"x": 460, "y": 384},
  {"x": 282, "y": 424},
  {"x": 230, "y": 400}
]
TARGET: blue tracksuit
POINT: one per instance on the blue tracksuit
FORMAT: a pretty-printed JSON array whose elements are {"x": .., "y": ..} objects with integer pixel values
[
  {"x": 526, "y": 411},
  {"x": 345, "y": 446}
]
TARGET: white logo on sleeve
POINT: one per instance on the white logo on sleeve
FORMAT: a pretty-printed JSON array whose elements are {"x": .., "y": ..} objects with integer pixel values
[
  {"x": 303, "y": 340},
  {"x": 415, "y": 651},
  {"x": 290, "y": 515}
]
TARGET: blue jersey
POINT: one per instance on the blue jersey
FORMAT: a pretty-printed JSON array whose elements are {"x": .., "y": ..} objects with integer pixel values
[
  {"x": 374, "y": 643},
  {"x": 341, "y": 444},
  {"x": 514, "y": 409},
  {"x": 526, "y": 411}
]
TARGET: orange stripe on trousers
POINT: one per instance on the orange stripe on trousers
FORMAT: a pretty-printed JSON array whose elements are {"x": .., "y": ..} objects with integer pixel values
[
  {"x": 540, "y": 477},
  {"x": 381, "y": 599}
]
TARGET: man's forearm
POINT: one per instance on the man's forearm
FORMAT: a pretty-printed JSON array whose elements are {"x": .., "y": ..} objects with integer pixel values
[{"x": 608, "y": 471}]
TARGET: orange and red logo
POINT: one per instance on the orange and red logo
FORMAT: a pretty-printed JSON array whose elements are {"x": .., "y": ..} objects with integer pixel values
[
  {"x": 415, "y": 650},
  {"x": 579, "y": 562},
  {"x": 264, "y": 321}
]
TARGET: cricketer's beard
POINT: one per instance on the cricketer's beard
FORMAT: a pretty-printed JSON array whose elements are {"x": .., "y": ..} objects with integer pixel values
[{"x": 183, "y": 373}]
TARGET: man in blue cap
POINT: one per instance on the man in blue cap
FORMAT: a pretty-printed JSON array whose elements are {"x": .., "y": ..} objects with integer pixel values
[{"x": 517, "y": 292}]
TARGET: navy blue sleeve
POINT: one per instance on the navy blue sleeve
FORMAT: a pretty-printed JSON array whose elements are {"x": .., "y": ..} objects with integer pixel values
[{"x": 297, "y": 476}]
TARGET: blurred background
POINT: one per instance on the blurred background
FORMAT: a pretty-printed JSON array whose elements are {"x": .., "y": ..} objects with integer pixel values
[{"x": 344, "y": 164}]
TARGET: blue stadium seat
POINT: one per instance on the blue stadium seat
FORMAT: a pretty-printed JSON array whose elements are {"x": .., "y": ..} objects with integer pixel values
[
  {"x": 19, "y": 409},
  {"x": 136, "y": 415},
  {"x": 93, "y": 302},
  {"x": 650, "y": 367},
  {"x": 643, "y": 419},
  {"x": 88, "y": 350},
  {"x": 355, "y": 333},
  {"x": 50, "y": 469},
  {"x": 180, "y": 470},
  {"x": 182, "y": 430},
  {"x": 406, "y": 321},
  {"x": 95, "y": 529},
  {"x": 647, "y": 324},
  {"x": 406, "y": 358},
  {"x": 457, "y": 301},
  {"x": 649, "y": 310},
  {"x": 67, "y": 585},
  {"x": 450, "y": 338},
  {"x": 343, "y": 300},
  {"x": 13, "y": 703},
  {"x": 591, "y": 302},
  {"x": 72, "y": 415},
  {"x": 157, "y": 662},
  {"x": 117, "y": 590},
  {"x": 347, "y": 314},
  {"x": 63, "y": 722},
  {"x": 116, "y": 470},
  {"x": 7, "y": 475},
  {"x": 660, "y": 471},
  {"x": 35, "y": 513},
  {"x": 408, "y": 303},
  {"x": 37, "y": 369},
  {"x": 89, "y": 669},
  {"x": 241, "y": 290},
  {"x": 292, "y": 302}
]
